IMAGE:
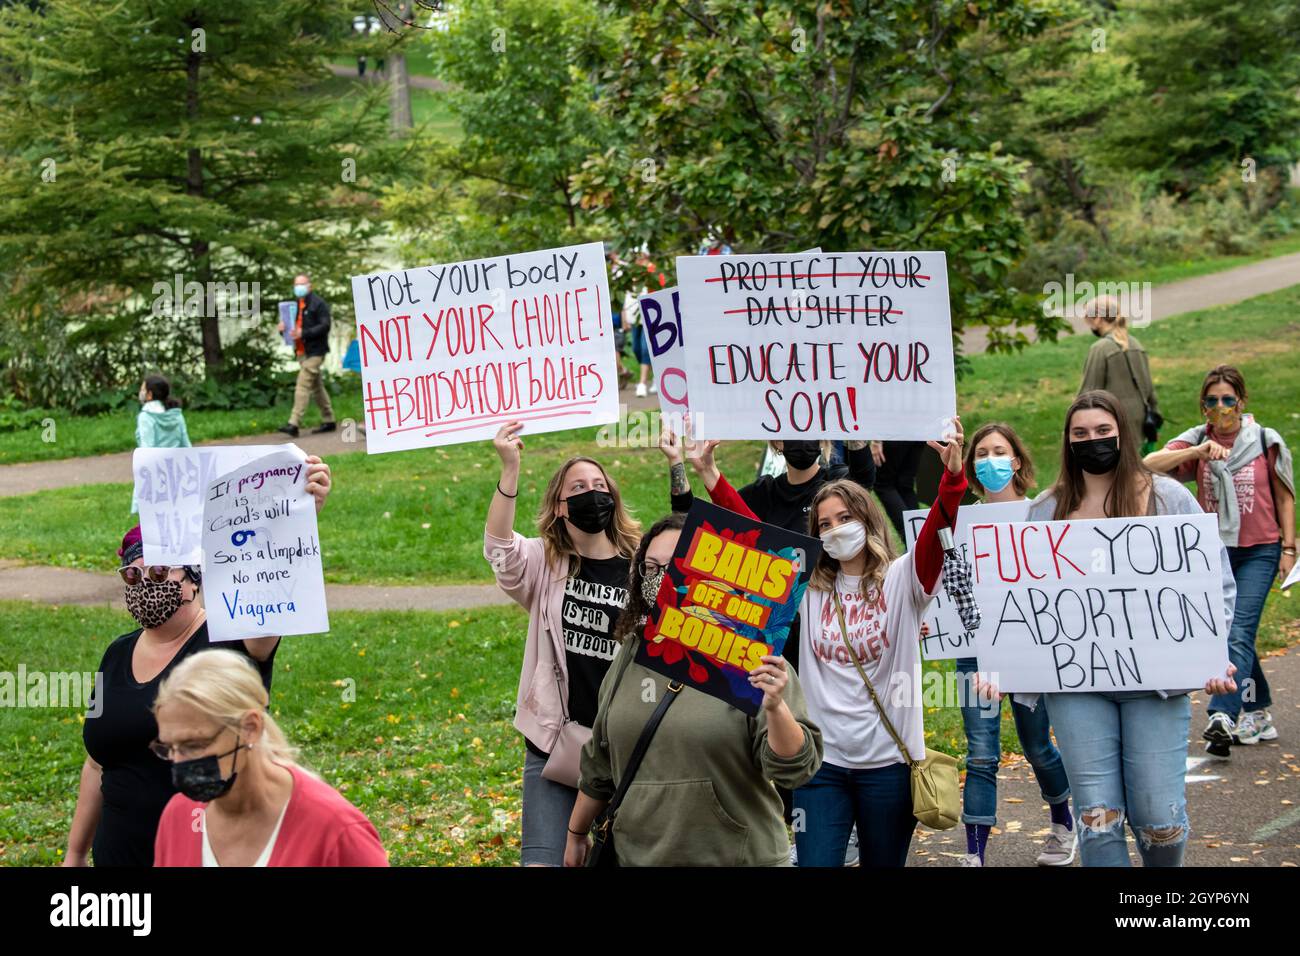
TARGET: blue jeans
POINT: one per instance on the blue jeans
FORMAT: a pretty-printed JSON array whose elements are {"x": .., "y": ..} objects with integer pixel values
[
  {"x": 984, "y": 751},
  {"x": 879, "y": 801},
  {"x": 1254, "y": 569},
  {"x": 1126, "y": 755}
]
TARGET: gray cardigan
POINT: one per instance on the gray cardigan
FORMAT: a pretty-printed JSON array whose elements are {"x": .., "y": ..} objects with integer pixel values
[{"x": 1172, "y": 498}]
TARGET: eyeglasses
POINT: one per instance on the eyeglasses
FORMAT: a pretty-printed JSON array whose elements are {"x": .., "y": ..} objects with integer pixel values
[
  {"x": 133, "y": 574},
  {"x": 1228, "y": 401},
  {"x": 652, "y": 567},
  {"x": 185, "y": 752}
]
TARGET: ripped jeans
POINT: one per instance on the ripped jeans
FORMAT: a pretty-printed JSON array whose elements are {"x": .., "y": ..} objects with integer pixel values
[{"x": 1126, "y": 755}]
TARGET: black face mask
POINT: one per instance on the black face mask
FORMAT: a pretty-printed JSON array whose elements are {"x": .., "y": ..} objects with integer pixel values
[
  {"x": 200, "y": 779},
  {"x": 1097, "y": 456},
  {"x": 801, "y": 454},
  {"x": 591, "y": 511}
]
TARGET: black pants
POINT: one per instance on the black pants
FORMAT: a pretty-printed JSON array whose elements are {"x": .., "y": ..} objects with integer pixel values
[{"x": 896, "y": 480}]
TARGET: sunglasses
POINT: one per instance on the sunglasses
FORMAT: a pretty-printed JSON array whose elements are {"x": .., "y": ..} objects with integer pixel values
[
  {"x": 133, "y": 574},
  {"x": 1211, "y": 401}
]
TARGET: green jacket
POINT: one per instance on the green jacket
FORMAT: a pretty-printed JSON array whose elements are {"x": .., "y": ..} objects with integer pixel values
[
  {"x": 704, "y": 795},
  {"x": 1114, "y": 369}
]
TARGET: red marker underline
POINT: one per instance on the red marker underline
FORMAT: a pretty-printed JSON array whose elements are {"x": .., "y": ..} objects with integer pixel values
[
  {"x": 804, "y": 308},
  {"x": 506, "y": 418}
]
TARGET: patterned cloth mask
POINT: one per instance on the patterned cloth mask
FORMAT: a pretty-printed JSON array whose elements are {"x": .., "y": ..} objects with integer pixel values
[{"x": 152, "y": 605}]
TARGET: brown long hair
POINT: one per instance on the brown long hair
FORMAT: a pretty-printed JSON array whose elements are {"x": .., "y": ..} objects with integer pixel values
[
  {"x": 879, "y": 547},
  {"x": 623, "y": 530},
  {"x": 637, "y": 608},
  {"x": 1229, "y": 376},
  {"x": 1023, "y": 479},
  {"x": 1131, "y": 479}
]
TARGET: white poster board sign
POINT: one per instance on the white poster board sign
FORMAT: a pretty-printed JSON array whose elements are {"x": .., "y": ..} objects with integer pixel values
[
  {"x": 169, "y": 487},
  {"x": 826, "y": 345},
  {"x": 451, "y": 352},
  {"x": 262, "y": 573},
  {"x": 946, "y": 637},
  {"x": 1119, "y": 604}
]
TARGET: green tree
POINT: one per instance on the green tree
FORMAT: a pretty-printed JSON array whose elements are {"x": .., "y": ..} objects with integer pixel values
[
  {"x": 779, "y": 125},
  {"x": 523, "y": 94},
  {"x": 145, "y": 138},
  {"x": 1219, "y": 83}
]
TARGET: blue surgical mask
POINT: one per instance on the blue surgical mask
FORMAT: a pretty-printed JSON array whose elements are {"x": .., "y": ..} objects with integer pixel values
[
  {"x": 300, "y": 291},
  {"x": 994, "y": 473}
]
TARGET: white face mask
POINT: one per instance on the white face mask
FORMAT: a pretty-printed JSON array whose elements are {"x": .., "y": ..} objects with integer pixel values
[{"x": 845, "y": 541}]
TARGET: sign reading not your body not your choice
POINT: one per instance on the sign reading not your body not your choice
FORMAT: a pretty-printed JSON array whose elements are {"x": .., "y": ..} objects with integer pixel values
[
  {"x": 829, "y": 345},
  {"x": 1118, "y": 604},
  {"x": 451, "y": 352}
]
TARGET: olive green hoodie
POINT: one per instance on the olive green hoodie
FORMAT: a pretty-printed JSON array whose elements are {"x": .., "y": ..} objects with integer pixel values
[{"x": 704, "y": 795}]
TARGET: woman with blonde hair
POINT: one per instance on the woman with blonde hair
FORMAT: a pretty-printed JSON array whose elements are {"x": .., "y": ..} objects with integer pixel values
[
  {"x": 864, "y": 601},
  {"x": 1119, "y": 365},
  {"x": 572, "y": 580},
  {"x": 262, "y": 810}
]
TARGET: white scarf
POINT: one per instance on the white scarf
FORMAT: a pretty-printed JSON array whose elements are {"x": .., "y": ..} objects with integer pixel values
[{"x": 1245, "y": 450}]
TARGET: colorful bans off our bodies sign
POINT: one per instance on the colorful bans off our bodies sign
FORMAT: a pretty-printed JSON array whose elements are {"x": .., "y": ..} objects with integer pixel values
[
  {"x": 946, "y": 637},
  {"x": 450, "y": 352},
  {"x": 262, "y": 571},
  {"x": 726, "y": 601},
  {"x": 1108, "y": 605},
  {"x": 170, "y": 484},
  {"x": 832, "y": 345}
]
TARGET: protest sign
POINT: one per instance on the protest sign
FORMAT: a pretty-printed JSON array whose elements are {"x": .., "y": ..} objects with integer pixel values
[
  {"x": 829, "y": 345},
  {"x": 288, "y": 318},
  {"x": 169, "y": 487},
  {"x": 1292, "y": 578},
  {"x": 726, "y": 601},
  {"x": 451, "y": 352},
  {"x": 1116, "y": 604},
  {"x": 262, "y": 572},
  {"x": 661, "y": 320},
  {"x": 946, "y": 637}
]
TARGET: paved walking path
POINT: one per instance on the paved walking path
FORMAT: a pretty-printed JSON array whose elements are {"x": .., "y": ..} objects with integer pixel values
[{"x": 1244, "y": 811}]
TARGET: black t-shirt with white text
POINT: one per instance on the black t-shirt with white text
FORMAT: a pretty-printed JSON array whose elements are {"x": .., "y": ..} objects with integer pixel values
[{"x": 593, "y": 600}]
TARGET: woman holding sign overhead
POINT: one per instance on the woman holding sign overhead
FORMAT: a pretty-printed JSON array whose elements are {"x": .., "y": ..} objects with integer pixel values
[
  {"x": 861, "y": 623},
  {"x": 1125, "y": 752},
  {"x": 124, "y": 786},
  {"x": 999, "y": 470},
  {"x": 572, "y": 580}
]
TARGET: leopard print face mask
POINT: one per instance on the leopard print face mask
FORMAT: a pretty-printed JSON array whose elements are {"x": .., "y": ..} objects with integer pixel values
[{"x": 152, "y": 605}]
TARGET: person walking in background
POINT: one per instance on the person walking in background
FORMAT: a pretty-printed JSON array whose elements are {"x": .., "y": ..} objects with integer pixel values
[
  {"x": 161, "y": 423},
  {"x": 896, "y": 465},
  {"x": 1118, "y": 364},
  {"x": 1243, "y": 474},
  {"x": 311, "y": 333}
]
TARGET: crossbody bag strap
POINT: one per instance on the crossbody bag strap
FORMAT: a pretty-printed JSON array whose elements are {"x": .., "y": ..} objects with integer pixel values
[
  {"x": 884, "y": 718},
  {"x": 1145, "y": 399},
  {"x": 642, "y": 744}
]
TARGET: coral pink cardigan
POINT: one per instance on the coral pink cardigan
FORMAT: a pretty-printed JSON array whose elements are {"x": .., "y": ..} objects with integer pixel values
[{"x": 320, "y": 828}]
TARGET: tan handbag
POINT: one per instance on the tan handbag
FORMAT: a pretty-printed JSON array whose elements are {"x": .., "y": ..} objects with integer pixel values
[
  {"x": 936, "y": 796},
  {"x": 566, "y": 753}
]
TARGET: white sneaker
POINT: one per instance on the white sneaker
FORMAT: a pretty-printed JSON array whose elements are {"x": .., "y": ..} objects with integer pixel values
[
  {"x": 640, "y": 390},
  {"x": 654, "y": 389},
  {"x": 1254, "y": 726},
  {"x": 794, "y": 855},
  {"x": 1265, "y": 723},
  {"x": 1218, "y": 735},
  {"x": 971, "y": 859},
  {"x": 1059, "y": 847},
  {"x": 851, "y": 851}
]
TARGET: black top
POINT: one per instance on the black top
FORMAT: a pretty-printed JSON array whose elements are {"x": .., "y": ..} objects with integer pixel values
[
  {"x": 315, "y": 325},
  {"x": 593, "y": 599},
  {"x": 136, "y": 785}
]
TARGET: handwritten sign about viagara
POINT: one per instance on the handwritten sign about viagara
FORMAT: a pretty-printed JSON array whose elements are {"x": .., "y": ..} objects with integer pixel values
[
  {"x": 1102, "y": 605},
  {"x": 826, "y": 345},
  {"x": 450, "y": 352},
  {"x": 262, "y": 573}
]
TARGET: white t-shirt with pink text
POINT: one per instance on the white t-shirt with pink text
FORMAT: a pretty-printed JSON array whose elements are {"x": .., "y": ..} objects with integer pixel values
[{"x": 885, "y": 634}]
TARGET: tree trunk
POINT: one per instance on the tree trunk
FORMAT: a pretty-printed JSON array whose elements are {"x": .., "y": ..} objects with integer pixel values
[
  {"x": 209, "y": 325},
  {"x": 400, "y": 91}
]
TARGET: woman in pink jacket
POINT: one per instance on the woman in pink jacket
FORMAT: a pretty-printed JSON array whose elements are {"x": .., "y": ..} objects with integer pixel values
[{"x": 572, "y": 580}]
